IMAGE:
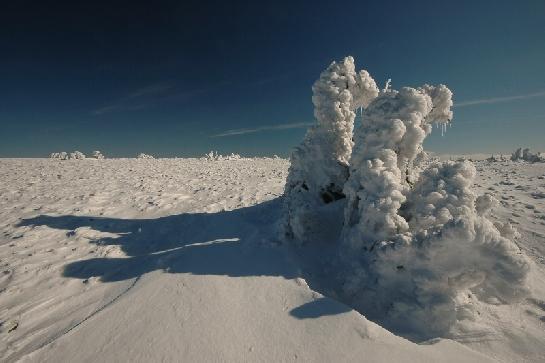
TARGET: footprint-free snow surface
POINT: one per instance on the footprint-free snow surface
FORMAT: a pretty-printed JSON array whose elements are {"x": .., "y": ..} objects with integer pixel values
[{"x": 141, "y": 260}]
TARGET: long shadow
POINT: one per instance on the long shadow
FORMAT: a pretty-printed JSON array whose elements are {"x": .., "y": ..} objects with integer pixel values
[{"x": 237, "y": 243}]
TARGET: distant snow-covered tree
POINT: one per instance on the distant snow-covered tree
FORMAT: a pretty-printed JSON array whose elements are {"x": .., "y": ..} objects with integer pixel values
[
  {"x": 144, "y": 156},
  {"x": 60, "y": 155},
  {"x": 97, "y": 155},
  {"x": 527, "y": 155},
  {"x": 77, "y": 155}
]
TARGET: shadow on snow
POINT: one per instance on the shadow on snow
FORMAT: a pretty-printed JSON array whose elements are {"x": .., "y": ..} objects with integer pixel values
[{"x": 236, "y": 243}]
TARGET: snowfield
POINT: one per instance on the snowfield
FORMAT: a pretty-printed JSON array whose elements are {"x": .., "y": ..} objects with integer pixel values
[{"x": 180, "y": 260}]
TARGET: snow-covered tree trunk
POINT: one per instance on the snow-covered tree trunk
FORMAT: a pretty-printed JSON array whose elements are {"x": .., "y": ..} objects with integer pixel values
[{"x": 319, "y": 166}]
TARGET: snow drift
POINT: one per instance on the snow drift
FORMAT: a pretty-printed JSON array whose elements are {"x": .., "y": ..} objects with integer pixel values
[{"x": 414, "y": 247}]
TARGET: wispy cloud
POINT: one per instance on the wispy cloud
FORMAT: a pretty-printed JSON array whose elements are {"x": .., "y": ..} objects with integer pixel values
[
  {"x": 136, "y": 99},
  {"x": 234, "y": 132},
  {"x": 483, "y": 101}
]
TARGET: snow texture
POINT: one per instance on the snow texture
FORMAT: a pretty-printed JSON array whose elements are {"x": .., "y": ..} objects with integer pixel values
[{"x": 214, "y": 284}]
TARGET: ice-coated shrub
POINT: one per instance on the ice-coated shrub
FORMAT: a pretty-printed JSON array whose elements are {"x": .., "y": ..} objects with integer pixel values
[
  {"x": 527, "y": 155},
  {"x": 215, "y": 156},
  {"x": 422, "y": 239},
  {"x": 319, "y": 166},
  {"x": 417, "y": 251},
  {"x": 60, "y": 155},
  {"x": 97, "y": 155},
  {"x": 77, "y": 155}
]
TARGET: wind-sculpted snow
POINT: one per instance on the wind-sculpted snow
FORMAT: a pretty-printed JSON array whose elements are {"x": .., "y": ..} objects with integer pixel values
[
  {"x": 319, "y": 166},
  {"x": 415, "y": 247}
]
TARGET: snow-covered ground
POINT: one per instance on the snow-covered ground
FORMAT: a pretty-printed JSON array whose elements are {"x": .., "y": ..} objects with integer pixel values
[{"x": 178, "y": 260}]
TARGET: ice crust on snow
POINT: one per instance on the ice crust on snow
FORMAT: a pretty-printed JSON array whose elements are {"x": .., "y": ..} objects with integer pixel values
[{"x": 414, "y": 238}]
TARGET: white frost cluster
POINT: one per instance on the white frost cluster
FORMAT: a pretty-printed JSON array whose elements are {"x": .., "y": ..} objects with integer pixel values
[
  {"x": 65, "y": 156},
  {"x": 60, "y": 155},
  {"x": 97, "y": 155},
  {"x": 215, "y": 156},
  {"x": 77, "y": 155},
  {"x": 415, "y": 240},
  {"x": 144, "y": 156},
  {"x": 319, "y": 166},
  {"x": 527, "y": 155}
]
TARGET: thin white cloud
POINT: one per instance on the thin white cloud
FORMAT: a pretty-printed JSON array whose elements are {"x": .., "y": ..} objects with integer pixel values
[
  {"x": 483, "y": 101},
  {"x": 136, "y": 99},
  {"x": 296, "y": 125}
]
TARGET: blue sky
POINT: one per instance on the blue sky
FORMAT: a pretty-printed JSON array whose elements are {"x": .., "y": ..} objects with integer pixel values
[{"x": 181, "y": 78}]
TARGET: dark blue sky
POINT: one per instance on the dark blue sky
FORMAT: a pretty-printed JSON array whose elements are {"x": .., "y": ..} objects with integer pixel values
[{"x": 177, "y": 77}]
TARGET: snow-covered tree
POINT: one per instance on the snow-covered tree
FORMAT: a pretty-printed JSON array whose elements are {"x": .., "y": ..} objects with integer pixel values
[
  {"x": 319, "y": 166},
  {"x": 97, "y": 155},
  {"x": 527, "y": 155},
  {"x": 77, "y": 155},
  {"x": 422, "y": 241},
  {"x": 417, "y": 250},
  {"x": 60, "y": 155}
]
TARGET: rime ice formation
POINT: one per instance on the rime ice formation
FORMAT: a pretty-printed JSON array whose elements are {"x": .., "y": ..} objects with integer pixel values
[
  {"x": 319, "y": 166},
  {"x": 422, "y": 241},
  {"x": 527, "y": 155},
  {"x": 77, "y": 155},
  {"x": 65, "y": 156},
  {"x": 415, "y": 240},
  {"x": 97, "y": 155},
  {"x": 60, "y": 155},
  {"x": 215, "y": 156}
]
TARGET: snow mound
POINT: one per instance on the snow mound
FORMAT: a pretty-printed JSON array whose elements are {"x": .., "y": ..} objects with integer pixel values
[
  {"x": 414, "y": 241},
  {"x": 527, "y": 155},
  {"x": 144, "y": 156}
]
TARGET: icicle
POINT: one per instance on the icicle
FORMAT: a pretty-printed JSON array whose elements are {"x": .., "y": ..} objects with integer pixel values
[{"x": 387, "y": 85}]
